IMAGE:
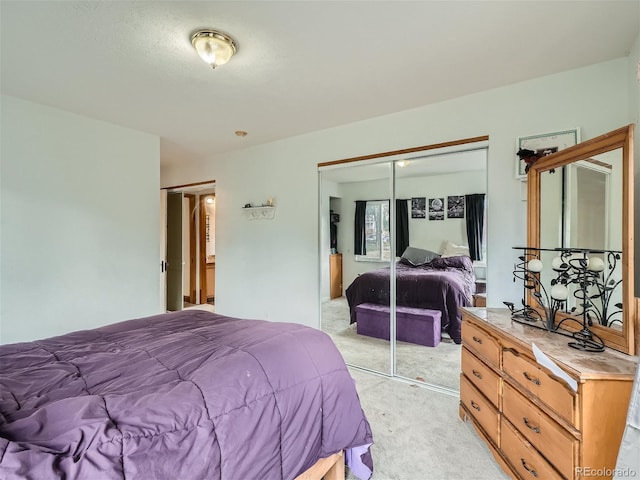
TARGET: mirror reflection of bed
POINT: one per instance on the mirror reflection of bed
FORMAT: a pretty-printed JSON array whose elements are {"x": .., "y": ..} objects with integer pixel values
[{"x": 425, "y": 287}]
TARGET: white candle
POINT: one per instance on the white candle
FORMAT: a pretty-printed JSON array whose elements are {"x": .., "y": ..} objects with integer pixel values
[
  {"x": 596, "y": 264},
  {"x": 534, "y": 265},
  {"x": 559, "y": 292}
]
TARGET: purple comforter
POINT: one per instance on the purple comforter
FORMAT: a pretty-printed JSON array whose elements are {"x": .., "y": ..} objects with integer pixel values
[
  {"x": 443, "y": 284},
  {"x": 186, "y": 395}
]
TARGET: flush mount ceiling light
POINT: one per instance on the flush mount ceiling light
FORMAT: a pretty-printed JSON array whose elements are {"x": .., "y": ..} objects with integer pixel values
[{"x": 214, "y": 47}]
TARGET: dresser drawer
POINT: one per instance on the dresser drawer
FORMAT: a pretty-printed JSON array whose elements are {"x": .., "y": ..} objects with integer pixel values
[
  {"x": 481, "y": 410},
  {"x": 481, "y": 343},
  {"x": 553, "y": 441},
  {"x": 542, "y": 384},
  {"x": 523, "y": 457},
  {"x": 481, "y": 376}
]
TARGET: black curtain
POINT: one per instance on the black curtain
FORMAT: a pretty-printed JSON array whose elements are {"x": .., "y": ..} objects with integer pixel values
[
  {"x": 474, "y": 210},
  {"x": 333, "y": 234},
  {"x": 402, "y": 226},
  {"x": 359, "y": 244}
]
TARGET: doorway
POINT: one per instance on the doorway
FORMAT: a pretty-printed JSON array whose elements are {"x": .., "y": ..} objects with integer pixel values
[
  {"x": 207, "y": 251},
  {"x": 188, "y": 266}
]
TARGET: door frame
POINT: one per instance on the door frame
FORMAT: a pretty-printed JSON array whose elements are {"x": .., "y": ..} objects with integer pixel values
[{"x": 191, "y": 298}]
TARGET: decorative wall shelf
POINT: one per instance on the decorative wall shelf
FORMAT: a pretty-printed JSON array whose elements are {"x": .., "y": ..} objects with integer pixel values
[{"x": 255, "y": 213}]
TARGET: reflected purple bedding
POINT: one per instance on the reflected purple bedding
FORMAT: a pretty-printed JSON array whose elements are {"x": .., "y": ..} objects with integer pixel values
[
  {"x": 183, "y": 395},
  {"x": 444, "y": 284}
]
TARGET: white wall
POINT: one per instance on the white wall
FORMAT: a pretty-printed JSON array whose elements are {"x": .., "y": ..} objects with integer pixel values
[
  {"x": 79, "y": 225},
  {"x": 269, "y": 268}
]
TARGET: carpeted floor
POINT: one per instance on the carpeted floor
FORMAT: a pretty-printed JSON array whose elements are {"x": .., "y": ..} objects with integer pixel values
[
  {"x": 203, "y": 306},
  {"x": 418, "y": 434},
  {"x": 438, "y": 365}
]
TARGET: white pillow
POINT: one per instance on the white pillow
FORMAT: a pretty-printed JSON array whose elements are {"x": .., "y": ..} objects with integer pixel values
[{"x": 453, "y": 250}]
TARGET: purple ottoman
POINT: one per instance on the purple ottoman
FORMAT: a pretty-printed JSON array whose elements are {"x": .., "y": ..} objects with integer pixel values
[{"x": 414, "y": 325}]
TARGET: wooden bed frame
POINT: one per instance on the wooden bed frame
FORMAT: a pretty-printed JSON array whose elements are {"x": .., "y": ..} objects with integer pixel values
[{"x": 328, "y": 468}]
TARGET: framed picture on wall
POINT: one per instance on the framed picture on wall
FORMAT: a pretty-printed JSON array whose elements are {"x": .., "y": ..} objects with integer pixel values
[
  {"x": 543, "y": 144},
  {"x": 436, "y": 209},
  {"x": 418, "y": 207},
  {"x": 455, "y": 206}
]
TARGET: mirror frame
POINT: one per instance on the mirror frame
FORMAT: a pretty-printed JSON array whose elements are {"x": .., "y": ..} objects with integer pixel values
[{"x": 624, "y": 340}]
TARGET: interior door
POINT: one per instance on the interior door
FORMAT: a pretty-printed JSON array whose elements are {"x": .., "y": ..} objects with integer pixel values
[
  {"x": 163, "y": 250},
  {"x": 175, "y": 263}
]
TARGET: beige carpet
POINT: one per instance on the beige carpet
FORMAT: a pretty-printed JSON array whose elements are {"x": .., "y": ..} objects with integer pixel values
[
  {"x": 438, "y": 365},
  {"x": 418, "y": 434}
]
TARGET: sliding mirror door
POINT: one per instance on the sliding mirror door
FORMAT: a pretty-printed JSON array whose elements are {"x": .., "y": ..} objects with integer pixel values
[
  {"x": 440, "y": 217},
  {"x": 355, "y": 251},
  {"x": 402, "y": 250}
]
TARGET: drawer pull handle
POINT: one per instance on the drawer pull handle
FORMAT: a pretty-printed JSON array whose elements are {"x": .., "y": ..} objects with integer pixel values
[
  {"x": 477, "y": 374},
  {"x": 530, "y": 378},
  {"x": 529, "y": 469},
  {"x": 475, "y": 405},
  {"x": 530, "y": 426},
  {"x": 477, "y": 340}
]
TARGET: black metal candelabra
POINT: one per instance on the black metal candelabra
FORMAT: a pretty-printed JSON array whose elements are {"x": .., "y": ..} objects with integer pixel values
[
  {"x": 573, "y": 268},
  {"x": 596, "y": 283},
  {"x": 528, "y": 271}
]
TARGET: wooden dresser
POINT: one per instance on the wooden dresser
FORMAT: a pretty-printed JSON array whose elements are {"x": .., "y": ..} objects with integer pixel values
[
  {"x": 534, "y": 423},
  {"x": 335, "y": 275}
]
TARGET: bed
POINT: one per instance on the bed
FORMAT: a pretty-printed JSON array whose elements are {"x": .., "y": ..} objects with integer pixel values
[
  {"x": 444, "y": 284},
  {"x": 189, "y": 394}
]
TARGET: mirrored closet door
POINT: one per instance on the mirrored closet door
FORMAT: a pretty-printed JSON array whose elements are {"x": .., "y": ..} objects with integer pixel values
[
  {"x": 444, "y": 195},
  {"x": 395, "y": 259},
  {"x": 355, "y": 226}
]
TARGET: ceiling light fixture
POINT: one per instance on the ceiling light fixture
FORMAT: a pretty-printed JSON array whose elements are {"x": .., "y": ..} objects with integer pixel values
[
  {"x": 241, "y": 133},
  {"x": 214, "y": 47}
]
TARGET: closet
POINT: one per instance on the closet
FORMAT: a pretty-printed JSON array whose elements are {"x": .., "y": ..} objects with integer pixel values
[{"x": 377, "y": 184}]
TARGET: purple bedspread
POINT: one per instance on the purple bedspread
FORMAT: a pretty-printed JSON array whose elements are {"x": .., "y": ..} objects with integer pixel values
[
  {"x": 186, "y": 395},
  {"x": 444, "y": 284}
]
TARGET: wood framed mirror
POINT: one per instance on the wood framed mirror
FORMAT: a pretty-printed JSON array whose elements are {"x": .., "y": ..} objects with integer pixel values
[{"x": 582, "y": 197}]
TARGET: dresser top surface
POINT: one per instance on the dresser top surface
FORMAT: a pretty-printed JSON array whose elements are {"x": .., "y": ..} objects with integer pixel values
[{"x": 584, "y": 364}]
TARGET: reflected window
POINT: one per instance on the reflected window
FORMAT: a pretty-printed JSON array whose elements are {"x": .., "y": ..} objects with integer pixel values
[{"x": 376, "y": 231}]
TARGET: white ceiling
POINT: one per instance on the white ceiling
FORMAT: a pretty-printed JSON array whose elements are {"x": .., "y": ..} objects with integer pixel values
[{"x": 302, "y": 66}]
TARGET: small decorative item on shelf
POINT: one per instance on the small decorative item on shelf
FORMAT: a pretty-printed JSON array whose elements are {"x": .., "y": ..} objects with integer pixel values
[
  {"x": 578, "y": 273},
  {"x": 265, "y": 211}
]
